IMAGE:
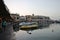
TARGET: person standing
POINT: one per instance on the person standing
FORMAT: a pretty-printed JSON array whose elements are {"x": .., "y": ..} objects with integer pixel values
[
  {"x": 0, "y": 25},
  {"x": 4, "y": 25}
]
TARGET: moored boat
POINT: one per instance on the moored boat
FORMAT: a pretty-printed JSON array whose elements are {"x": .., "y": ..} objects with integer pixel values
[{"x": 28, "y": 25}]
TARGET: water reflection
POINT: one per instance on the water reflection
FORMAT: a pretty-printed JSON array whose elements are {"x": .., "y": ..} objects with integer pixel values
[{"x": 29, "y": 31}]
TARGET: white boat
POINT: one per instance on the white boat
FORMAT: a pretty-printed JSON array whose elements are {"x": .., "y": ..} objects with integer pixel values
[
  {"x": 29, "y": 25},
  {"x": 24, "y": 23}
]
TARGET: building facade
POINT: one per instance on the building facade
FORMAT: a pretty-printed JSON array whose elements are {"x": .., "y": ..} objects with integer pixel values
[
  {"x": 22, "y": 18},
  {"x": 15, "y": 17},
  {"x": 37, "y": 18}
]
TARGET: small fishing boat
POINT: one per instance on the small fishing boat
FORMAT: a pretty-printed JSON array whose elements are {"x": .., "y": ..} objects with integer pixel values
[{"x": 28, "y": 25}]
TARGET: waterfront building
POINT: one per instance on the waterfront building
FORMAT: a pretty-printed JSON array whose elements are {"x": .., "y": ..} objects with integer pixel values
[
  {"x": 22, "y": 18},
  {"x": 38, "y": 18},
  {"x": 15, "y": 17}
]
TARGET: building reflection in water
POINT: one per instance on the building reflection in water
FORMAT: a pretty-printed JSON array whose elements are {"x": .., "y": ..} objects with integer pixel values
[{"x": 29, "y": 31}]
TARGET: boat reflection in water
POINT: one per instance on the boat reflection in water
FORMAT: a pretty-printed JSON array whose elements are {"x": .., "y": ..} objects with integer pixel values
[{"x": 30, "y": 29}]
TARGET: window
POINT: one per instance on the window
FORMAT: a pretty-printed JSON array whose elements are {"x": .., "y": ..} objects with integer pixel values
[{"x": 17, "y": 17}]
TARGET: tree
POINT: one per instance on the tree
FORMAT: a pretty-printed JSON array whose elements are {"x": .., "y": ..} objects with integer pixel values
[{"x": 4, "y": 12}]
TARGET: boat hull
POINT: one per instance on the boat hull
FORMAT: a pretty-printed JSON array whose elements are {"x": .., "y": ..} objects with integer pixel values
[{"x": 29, "y": 27}]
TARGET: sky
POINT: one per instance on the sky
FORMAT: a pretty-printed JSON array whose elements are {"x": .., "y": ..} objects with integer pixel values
[{"x": 49, "y": 8}]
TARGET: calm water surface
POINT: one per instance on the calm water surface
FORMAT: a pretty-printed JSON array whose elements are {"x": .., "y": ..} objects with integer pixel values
[{"x": 49, "y": 32}]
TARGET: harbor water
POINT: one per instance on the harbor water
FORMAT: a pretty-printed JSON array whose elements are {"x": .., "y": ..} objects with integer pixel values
[{"x": 46, "y": 32}]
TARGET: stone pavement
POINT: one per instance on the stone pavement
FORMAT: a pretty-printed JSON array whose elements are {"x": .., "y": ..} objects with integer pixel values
[{"x": 8, "y": 34}]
